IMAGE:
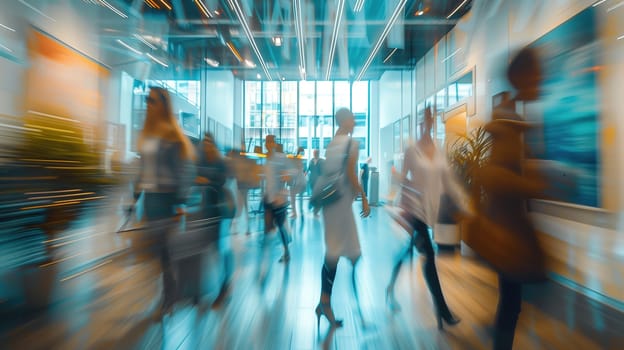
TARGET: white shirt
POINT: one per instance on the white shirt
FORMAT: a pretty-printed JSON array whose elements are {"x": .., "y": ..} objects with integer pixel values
[{"x": 427, "y": 179}]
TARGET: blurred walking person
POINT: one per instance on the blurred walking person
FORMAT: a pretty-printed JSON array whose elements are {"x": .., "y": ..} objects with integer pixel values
[
  {"x": 297, "y": 183},
  {"x": 341, "y": 236},
  {"x": 165, "y": 176},
  {"x": 425, "y": 176},
  {"x": 211, "y": 175},
  {"x": 275, "y": 201},
  {"x": 315, "y": 169},
  {"x": 503, "y": 234}
]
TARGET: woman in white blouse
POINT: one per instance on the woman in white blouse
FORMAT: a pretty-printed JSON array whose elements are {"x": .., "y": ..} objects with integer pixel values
[{"x": 425, "y": 177}]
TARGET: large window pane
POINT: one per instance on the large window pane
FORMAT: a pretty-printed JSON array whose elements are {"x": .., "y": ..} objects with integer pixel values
[
  {"x": 253, "y": 115},
  {"x": 307, "y": 115},
  {"x": 360, "y": 110},
  {"x": 289, "y": 116},
  {"x": 271, "y": 102},
  {"x": 342, "y": 95},
  {"x": 325, "y": 112}
]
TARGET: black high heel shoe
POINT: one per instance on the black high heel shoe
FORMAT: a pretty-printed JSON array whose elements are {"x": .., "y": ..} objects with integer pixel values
[
  {"x": 322, "y": 309},
  {"x": 448, "y": 319}
]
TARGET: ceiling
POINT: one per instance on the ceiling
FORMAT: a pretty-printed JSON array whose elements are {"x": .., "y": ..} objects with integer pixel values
[{"x": 182, "y": 37}]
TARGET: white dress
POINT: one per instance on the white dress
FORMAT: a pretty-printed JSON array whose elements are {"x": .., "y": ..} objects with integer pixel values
[{"x": 341, "y": 237}]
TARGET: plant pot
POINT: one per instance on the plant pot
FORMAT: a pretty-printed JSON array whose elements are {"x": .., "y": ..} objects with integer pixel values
[
  {"x": 466, "y": 251},
  {"x": 447, "y": 234}
]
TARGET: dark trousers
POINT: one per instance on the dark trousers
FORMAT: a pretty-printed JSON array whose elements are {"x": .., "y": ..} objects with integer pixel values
[
  {"x": 422, "y": 241},
  {"x": 159, "y": 212},
  {"x": 507, "y": 313},
  {"x": 276, "y": 216}
]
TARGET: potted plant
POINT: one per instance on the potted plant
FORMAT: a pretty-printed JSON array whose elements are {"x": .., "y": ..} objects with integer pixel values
[{"x": 466, "y": 155}]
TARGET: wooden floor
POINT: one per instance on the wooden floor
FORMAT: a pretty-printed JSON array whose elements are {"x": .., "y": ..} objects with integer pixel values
[{"x": 110, "y": 305}]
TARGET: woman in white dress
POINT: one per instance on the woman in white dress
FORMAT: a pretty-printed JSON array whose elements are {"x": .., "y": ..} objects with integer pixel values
[
  {"x": 425, "y": 177},
  {"x": 341, "y": 237}
]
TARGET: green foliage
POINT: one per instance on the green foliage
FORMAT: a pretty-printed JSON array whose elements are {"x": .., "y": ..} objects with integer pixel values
[
  {"x": 57, "y": 148},
  {"x": 468, "y": 154}
]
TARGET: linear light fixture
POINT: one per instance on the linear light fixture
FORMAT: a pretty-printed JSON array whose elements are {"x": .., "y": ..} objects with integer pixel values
[
  {"x": 241, "y": 18},
  {"x": 142, "y": 39},
  {"x": 129, "y": 47},
  {"x": 598, "y": 3},
  {"x": 152, "y": 4},
  {"x": 457, "y": 9},
  {"x": 157, "y": 60},
  {"x": 166, "y": 5},
  {"x": 36, "y": 10},
  {"x": 390, "y": 55},
  {"x": 620, "y": 37},
  {"x": 250, "y": 64},
  {"x": 203, "y": 8},
  {"x": 113, "y": 8},
  {"x": 300, "y": 38},
  {"x": 451, "y": 55},
  {"x": 234, "y": 51},
  {"x": 334, "y": 38},
  {"x": 618, "y": 5},
  {"x": 359, "y": 4},
  {"x": 382, "y": 37},
  {"x": 213, "y": 63},
  {"x": 5, "y": 48},
  {"x": 7, "y": 28}
]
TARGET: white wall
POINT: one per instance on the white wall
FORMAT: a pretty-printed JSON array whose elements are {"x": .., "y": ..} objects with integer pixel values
[{"x": 391, "y": 97}]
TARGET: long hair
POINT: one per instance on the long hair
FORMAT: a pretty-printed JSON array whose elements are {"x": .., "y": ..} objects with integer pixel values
[{"x": 165, "y": 126}]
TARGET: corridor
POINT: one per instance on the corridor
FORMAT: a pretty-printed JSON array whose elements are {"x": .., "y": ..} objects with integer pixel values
[{"x": 110, "y": 305}]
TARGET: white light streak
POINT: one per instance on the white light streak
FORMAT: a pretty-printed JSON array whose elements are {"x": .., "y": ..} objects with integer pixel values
[
  {"x": 457, "y": 9},
  {"x": 157, "y": 60},
  {"x": 129, "y": 47}
]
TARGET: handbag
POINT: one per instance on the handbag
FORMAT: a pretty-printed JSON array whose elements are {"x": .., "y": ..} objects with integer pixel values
[
  {"x": 516, "y": 255},
  {"x": 326, "y": 190}
]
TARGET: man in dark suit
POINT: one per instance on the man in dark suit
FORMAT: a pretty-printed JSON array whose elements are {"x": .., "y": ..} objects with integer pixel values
[{"x": 315, "y": 168}]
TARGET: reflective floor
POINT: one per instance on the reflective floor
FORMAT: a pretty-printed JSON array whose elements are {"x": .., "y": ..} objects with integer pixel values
[{"x": 110, "y": 302}]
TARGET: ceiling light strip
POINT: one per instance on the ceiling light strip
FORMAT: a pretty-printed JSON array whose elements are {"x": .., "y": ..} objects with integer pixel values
[
  {"x": 451, "y": 55},
  {"x": 234, "y": 51},
  {"x": 129, "y": 47},
  {"x": 598, "y": 3},
  {"x": 36, "y": 10},
  {"x": 390, "y": 55},
  {"x": 358, "y": 6},
  {"x": 7, "y": 28},
  {"x": 618, "y": 5},
  {"x": 241, "y": 18},
  {"x": 457, "y": 9},
  {"x": 152, "y": 4},
  {"x": 5, "y": 48},
  {"x": 113, "y": 8},
  {"x": 166, "y": 5},
  {"x": 382, "y": 37},
  {"x": 203, "y": 8},
  {"x": 157, "y": 60},
  {"x": 620, "y": 37},
  {"x": 334, "y": 38},
  {"x": 142, "y": 39},
  {"x": 300, "y": 37}
]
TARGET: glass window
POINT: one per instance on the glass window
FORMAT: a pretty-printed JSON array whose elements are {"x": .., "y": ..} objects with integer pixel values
[
  {"x": 288, "y": 120},
  {"x": 342, "y": 96},
  {"x": 307, "y": 115},
  {"x": 359, "y": 107},
  {"x": 253, "y": 114},
  {"x": 440, "y": 101},
  {"x": 301, "y": 114}
]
